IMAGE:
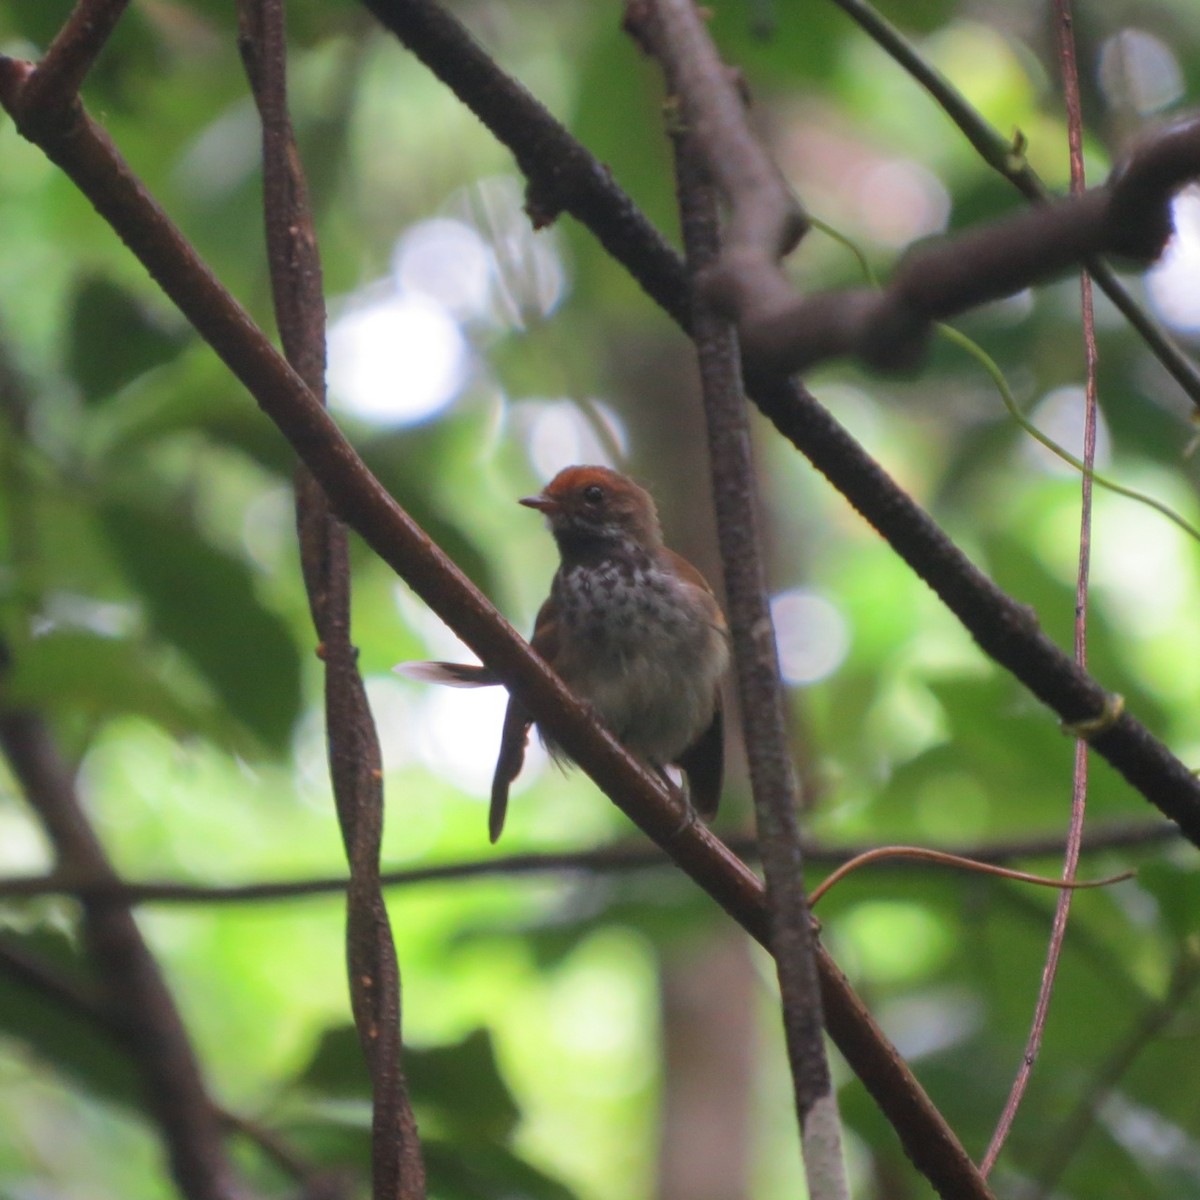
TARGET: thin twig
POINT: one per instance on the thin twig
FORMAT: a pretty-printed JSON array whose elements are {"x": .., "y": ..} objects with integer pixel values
[
  {"x": 1079, "y": 782},
  {"x": 1008, "y": 159},
  {"x": 1064, "y": 1142},
  {"x": 1124, "y": 836},
  {"x": 354, "y": 753},
  {"x": 760, "y": 690},
  {"x": 882, "y": 854}
]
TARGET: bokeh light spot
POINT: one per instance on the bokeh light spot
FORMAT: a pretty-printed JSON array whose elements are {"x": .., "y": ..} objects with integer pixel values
[
  {"x": 448, "y": 262},
  {"x": 811, "y": 633},
  {"x": 1172, "y": 281},
  {"x": 398, "y": 359},
  {"x": 898, "y": 201},
  {"x": 1139, "y": 71},
  {"x": 894, "y": 941},
  {"x": 562, "y": 432},
  {"x": 1060, "y": 416}
]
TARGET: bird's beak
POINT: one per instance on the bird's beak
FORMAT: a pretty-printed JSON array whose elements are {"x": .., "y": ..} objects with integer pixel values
[{"x": 543, "y": 503}]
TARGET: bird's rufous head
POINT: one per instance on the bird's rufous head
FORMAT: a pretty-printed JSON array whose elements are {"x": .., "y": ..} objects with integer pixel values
[{"x": 597, "y": 503}]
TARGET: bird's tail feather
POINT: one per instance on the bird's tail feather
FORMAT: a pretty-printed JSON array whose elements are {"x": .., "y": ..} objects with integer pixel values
[{"x": 451, "y": 674}]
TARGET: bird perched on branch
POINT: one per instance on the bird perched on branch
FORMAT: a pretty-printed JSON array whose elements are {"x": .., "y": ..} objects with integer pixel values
[{"x": 630, "y": 627}]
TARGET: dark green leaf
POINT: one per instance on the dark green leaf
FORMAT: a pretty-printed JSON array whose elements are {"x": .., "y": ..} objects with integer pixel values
[
  {"x": 104, "y": 676},
  {"x": 337, "y": 1067},
  {"x": 202, "y": 600},
  {"x": 462, "y": 1084},
  {"x": 459, "y": 1085},
  {"x": 113, "y": 339},
  {"x": 85, "y": 1048},
  {"x": 469, "y": 1171}
]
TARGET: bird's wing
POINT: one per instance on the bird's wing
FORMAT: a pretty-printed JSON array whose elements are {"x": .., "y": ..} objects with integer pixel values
[
  {"x": 689, "y": 574},
  {"x": 703, "y": 764},
  {"x": 545, "y": 631}
]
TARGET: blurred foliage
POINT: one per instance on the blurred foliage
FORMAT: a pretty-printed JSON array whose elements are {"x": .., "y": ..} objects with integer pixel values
[{"x": 151, "y": 607}]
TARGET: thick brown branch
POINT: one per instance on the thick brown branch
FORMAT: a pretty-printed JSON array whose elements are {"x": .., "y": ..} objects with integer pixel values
[
  {"x": 1129, "y": 216},
  {"x": 354, "y": 754},
  {"x": 783, "y": 331},
  {"x": 61, "y": 73},
  {"x": 766, "y": 221},
  {"x": 760, "y": 689},
  {"x": 135, "y": 993}
]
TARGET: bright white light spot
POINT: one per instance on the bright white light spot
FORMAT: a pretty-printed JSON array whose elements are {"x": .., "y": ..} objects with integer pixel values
[
  {"x": 562, "y": 432},
  {"x": 456, "y": 734},
  {"x": 931, "y": 1021},
  {"x": 529, "y": 279},
  {"x": 69, "y": 610},
  {"x": 811, "y": 634},
  {"x": 599, "y": 1001},
  {"x": 855, "y": 409},
  {"x": 448, "y": 262},
  {"x": 269, "y": 519},
  {"x": 1140, "y": 72},
  {"x": 1060, "y": 417},
  {"x": 1149, "y": 1137},
  {"x": 22, "y": 849},
  {"x": 1172, "y": 283},
  {"x": 1142, "y": 567},
  {"x": 441, "y": 642},
  {"x": 899, "y": 200},
  {"x": 392, "y": 706},
  {"x": 398, "y": 359}
]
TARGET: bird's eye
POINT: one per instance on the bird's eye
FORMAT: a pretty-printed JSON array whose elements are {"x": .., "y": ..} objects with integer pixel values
[{"x": 593, "y": 493}]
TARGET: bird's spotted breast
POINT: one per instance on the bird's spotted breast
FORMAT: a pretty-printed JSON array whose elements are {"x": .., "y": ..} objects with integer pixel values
[{"x": 640, "y": 644}]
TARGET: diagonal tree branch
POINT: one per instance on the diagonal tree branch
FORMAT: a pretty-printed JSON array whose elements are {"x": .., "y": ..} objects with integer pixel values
[
  {"x": 40, "y": 977},
  {"x": 136, "y": 995}
]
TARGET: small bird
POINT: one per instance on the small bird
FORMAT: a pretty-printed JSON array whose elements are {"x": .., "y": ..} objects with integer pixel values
[{"x": 630, "y": 627}]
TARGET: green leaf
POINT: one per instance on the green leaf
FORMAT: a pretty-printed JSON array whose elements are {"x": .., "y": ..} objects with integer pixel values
[
  {"x": 458, "y": 1085},
  {"x": 468, "y": 1171},
  {"x": 103, "y": 677},
  {"x": 463, "y": 1085},
  {"x": 202, "y": 600},
  {"x": 113, "y": 339},
  {"x": 54, "y": 1029},
  {"x": 337, "y": 1068}
]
